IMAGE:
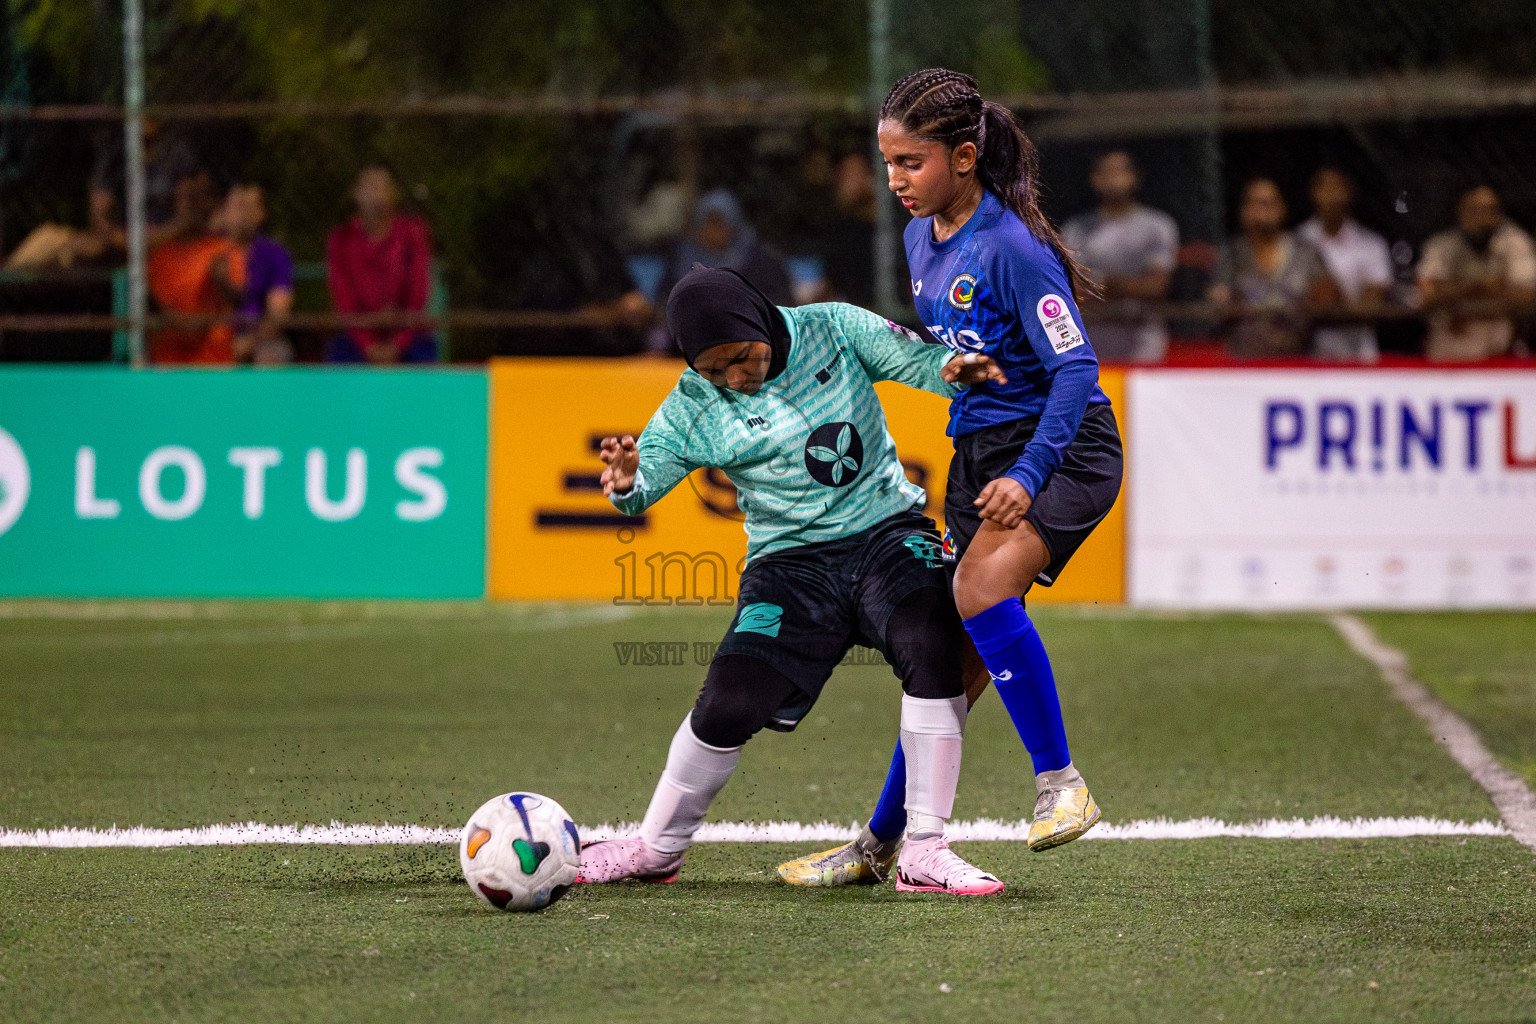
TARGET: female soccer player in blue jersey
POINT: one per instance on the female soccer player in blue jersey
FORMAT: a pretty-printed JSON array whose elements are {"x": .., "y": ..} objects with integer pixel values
[
  {"x": 838, "y": 553},
  {"x": 1037, "y": 461}
]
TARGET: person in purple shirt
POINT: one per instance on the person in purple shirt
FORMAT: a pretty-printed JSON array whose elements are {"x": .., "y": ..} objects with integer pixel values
[
  {"x": 258, "y": 276},
  {"x": 1038, "y": 459}
]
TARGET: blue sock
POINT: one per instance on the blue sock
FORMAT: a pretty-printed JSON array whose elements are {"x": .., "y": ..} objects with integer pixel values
[
  {"x": 1021, "y": 673},
  {"x": 890, "y": 817}
]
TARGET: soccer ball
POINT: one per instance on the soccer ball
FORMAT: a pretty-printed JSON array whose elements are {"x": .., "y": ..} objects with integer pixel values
[{"x": 520, "y": 851}]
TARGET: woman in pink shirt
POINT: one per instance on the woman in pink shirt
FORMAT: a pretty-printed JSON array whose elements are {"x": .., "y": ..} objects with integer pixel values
[{"x": 378, "y": 262}]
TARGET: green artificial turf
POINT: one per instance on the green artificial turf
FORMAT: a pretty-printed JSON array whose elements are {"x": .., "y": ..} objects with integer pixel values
[
  {"x": 372, "y": 713},
  {"x": 1483, "y": 664},
  {"x": 173, "y": 716},
  {"x": 1241, "y": 930}
]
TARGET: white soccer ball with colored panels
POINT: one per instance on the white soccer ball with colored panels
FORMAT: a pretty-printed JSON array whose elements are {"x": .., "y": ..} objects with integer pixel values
[{"x": 520, "y": 851}]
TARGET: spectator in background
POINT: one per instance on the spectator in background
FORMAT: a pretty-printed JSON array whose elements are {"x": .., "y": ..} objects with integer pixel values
[
  {"x": 379, "y": 261},
  {"x": 719, "y": 236},
  {"x": 1485, "y": 257},
  {"x": 182, "y": 278},
  {"x": 169, "y": 160},
  {"x": 1130, "y": 249},
  {"x": 60, "y": 247},
  {"x": 1357, "y": 261},
  {"x": 847, "y": 238},
  {"x": 1267, "y": 276},
  {"x": 560, "y": 255},
  {"x": 257, "y": 277}
]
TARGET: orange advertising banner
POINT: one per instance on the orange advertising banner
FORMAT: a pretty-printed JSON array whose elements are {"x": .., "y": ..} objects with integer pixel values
[{"x": 553, "y": 536}]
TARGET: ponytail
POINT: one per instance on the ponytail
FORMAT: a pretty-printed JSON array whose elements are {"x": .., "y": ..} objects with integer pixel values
[{"x": 944, "y": 106}]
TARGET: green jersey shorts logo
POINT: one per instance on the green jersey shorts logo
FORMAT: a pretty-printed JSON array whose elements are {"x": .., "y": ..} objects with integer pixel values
[
  {"x": 761, "y": 618},
  {"x": 833, "y": 454},
  {"x": 925, "y": 549}
]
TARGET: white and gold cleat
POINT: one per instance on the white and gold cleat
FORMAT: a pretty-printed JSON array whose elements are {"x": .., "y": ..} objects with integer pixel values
[
  {"x": 865, "y": 861},
  {"x": 1062, "y": 815}
]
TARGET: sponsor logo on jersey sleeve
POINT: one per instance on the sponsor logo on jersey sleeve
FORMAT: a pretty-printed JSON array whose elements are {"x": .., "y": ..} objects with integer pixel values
[
  {"x": 905, "y": 332},
  {"x": 962, "y": 291},
  {"x": 1059, "y": 326}
]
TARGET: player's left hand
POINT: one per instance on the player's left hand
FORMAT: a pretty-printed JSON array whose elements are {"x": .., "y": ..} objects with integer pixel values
[
  {"x": 1004, "y": 502},
  {"x": 969, "y": 368}
]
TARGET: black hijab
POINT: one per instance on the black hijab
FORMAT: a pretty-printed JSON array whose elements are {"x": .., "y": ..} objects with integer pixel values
[{"x": 716, "y": 307}]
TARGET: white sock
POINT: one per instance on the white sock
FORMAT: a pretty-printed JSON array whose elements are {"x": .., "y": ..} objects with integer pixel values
[
  {"x": 931, "y": 732},
  {"x": 696, "y": 772},
  {"x": 1061, "y": 778}
]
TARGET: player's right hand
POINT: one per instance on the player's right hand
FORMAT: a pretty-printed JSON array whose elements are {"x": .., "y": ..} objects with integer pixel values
[
  {"x": 970, "y": 368},
  {"x": 623, "y": 459}
]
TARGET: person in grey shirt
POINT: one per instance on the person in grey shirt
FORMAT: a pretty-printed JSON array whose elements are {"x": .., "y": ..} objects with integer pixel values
[
  {"x": 1267, "y": 276},
  {"x": 1130, "y": 250}
]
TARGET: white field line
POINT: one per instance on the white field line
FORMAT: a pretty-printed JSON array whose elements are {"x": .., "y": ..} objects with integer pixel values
[
  {"x": 1510, "y": 794},
  {"x": 337, "y": 834}
]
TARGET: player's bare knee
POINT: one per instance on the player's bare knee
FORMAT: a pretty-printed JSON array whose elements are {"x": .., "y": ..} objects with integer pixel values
[{"x": 976, "y": 589}]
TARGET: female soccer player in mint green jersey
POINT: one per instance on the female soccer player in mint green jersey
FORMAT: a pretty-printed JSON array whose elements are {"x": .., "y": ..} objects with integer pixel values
[
  {"x": 1037, "y": 460},
  {"x": 838, "y": 553}
]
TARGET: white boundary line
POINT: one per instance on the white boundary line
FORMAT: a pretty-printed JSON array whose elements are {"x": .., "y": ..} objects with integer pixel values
[
  {"x": 338, "y": 834},
  {"x": 1510, "y": 794}
]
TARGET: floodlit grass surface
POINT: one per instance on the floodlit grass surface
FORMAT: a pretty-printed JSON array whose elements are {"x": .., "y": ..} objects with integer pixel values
[
  {"x": 1245, "y": 929},
  {"x": 173, "y": 716},
  {"x": 1481, "y": 664}
]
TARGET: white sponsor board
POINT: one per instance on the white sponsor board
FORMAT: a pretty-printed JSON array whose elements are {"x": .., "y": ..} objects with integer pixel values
[{"x": 1281, "y": 489}]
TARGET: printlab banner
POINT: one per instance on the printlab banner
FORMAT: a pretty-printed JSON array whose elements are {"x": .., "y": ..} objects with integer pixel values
[
  {"x": 1323, "y": 488},
  {"x": 284, "y": 483}
]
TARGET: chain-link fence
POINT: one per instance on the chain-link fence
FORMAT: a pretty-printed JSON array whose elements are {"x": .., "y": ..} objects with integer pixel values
[{"x": 568, "y": 158}]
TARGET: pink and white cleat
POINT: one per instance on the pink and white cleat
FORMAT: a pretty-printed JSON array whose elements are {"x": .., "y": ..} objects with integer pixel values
[
  {"x": 929, "y": 865},
  {"x": 613, "y": 860}
]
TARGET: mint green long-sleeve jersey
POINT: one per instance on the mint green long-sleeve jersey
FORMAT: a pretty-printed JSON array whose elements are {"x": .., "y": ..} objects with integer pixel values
[{"x": 810, "y": 454}]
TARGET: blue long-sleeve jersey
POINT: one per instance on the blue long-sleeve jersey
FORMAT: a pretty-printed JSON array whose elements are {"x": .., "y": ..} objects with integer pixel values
[{"x": 993, "y": 287}]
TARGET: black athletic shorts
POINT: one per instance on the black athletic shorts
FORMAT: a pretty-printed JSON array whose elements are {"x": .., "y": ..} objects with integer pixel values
[
  {"x": 800, "y": 610},
  {"x": 1074, "y": 500}
]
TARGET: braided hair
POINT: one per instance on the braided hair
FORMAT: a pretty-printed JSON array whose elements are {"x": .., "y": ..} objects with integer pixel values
[{"x": 939, "y": 105}]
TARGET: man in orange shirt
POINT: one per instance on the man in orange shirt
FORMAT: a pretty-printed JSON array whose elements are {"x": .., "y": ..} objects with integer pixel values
[{"x": 181, "y": 279}]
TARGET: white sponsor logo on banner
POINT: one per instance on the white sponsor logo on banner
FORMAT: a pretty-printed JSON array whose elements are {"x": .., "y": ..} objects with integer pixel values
[
  {"x": 173, "y": 483},
  {"x": 1260, "y": 489},
  {"x": 15, "y": 481}
]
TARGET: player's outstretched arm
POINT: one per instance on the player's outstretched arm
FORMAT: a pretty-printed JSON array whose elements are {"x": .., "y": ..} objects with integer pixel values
[
  {"x": 621, "y": 458},
  {"x": 889, "y": 351},
  {"x": 637, "y": 473}
]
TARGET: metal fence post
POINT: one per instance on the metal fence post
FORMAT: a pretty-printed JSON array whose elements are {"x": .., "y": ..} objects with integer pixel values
[
  {"x": 133, "y": 142},
  {"x": 886, "y": 299},
  {"x": 1210, "y": 138}
]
